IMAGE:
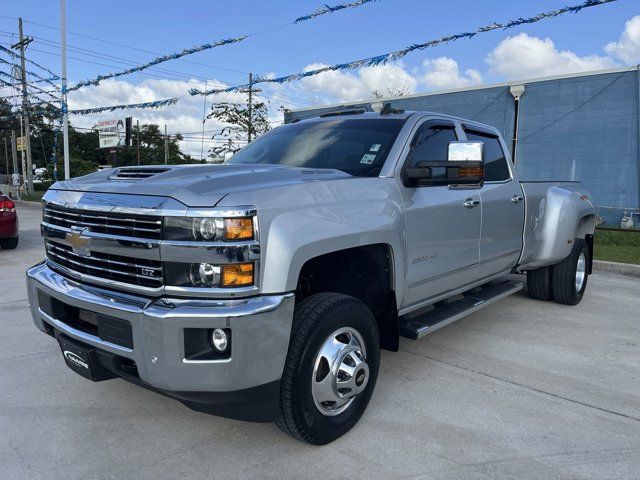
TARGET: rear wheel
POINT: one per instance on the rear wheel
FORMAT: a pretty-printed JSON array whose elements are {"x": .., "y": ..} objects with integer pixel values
[
  {"x": 331, "y": 368},
  {"x": 539, "y": 283},
  {"x": 9, "y": 243},
  {"x": 569, "y": 277}
]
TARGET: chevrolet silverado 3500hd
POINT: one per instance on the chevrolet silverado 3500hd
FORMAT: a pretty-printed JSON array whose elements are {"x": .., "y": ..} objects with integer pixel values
[{"x": 263, "y": 289}]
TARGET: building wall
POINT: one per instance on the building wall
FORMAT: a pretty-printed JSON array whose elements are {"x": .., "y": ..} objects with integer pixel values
[{"x": 582, "y": 128}]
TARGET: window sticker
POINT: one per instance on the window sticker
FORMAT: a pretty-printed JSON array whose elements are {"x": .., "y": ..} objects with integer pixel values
[
  {"x": 375, "y": 147},
  {"x": 368, "y": 158}
]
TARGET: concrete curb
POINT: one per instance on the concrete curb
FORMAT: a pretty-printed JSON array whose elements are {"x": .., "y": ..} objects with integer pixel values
[{"x": 624, "y": 268}]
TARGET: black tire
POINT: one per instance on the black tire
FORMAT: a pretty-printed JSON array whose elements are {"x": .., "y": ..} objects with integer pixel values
[
  {"x": 564, "y": 275},
  {"x": 539, "y": 284},
  {"x": 9, "y": 243},
  {"x": 315, "y": 319}
]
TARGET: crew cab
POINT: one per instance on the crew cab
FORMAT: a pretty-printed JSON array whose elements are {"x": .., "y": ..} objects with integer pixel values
[{"x": 264, "y": 289}]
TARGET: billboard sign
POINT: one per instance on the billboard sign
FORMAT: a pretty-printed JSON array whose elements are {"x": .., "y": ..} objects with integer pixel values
[{"x": 114, "y": 133}]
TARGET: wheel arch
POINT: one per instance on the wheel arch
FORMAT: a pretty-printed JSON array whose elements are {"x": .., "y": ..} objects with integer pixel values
[{"x": 364, "y": 272}]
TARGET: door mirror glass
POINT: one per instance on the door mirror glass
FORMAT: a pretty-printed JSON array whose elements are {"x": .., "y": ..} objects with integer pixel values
[{"x": 466, "y": 152}]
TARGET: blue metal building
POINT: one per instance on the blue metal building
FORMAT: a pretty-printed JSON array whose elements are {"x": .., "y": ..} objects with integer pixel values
[{"x": 574, "y": 127}]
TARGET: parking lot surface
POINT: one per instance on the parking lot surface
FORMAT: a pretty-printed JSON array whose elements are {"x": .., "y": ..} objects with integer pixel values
[{"x": 523, "y": 389}]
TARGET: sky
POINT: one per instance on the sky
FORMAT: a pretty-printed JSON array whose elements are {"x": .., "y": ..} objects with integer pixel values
[{"x": 107, "y": 37}]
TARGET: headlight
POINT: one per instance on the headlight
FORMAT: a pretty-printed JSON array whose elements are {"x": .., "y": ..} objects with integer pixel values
[
  {"x": 208, "y": 229},
  {"x": 207, "y": 275}
]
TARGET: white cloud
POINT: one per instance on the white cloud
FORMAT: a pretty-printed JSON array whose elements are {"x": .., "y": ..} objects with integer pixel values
[
  {"x": 627, "y": 48},
  {"x": 359, "y": 84},
  {"x": 523, "y": 56},
  {"x": 183, "y": 117},
  {"x": 442, "y": 73}
]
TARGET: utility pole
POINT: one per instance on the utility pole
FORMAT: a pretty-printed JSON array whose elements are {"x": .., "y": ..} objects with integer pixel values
[
  {"x": 138, "y": 140},
  {"x": 6, "y": 156},
  {"x": 24, "y": 167},
  {"x": 166, "y": 145},
  {"x": 250, "y": 91},
  {"x": 250, "y": 107},
  {"x": 14, "y": 156},
  {"x": 63, "y": 88},
  {"x": 204, "y": 119},
  {"x": 22, "y": 44}
]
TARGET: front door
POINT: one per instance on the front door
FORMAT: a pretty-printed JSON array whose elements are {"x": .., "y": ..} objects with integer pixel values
[{"x": 442, "y": 223}]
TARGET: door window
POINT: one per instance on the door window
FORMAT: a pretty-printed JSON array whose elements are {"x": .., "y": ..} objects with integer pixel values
[
  {"x": 431, "y": 143},
  {"x": 495, "y": 161}
]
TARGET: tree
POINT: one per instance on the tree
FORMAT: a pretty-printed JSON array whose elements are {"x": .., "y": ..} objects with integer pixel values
[
  {"x": 236, "y": 125},
  {"x": 392, "y": 92}
]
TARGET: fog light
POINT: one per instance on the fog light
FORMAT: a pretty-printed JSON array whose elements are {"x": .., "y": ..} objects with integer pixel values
[
  {"x": 219, "y": 339},
  {"x": 205, "y": 275}
]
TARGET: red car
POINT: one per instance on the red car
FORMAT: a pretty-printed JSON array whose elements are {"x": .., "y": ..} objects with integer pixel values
[{"x": 8, "y": 223}]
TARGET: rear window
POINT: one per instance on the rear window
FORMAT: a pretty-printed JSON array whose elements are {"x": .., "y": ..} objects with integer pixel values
[{"x": 356, "y": 146}]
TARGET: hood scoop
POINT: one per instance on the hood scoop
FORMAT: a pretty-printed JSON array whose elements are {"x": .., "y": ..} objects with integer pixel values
[{"x": 136, "y": 173}]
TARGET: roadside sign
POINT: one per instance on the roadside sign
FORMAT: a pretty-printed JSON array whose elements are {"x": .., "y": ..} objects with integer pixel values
[
  {"x": 21, "y": 144},
  {"x": 15, "y": 179},
  {"x": 114, "y": 133}
]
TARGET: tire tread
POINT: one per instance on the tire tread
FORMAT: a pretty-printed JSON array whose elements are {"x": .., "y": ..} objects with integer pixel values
[{"x": 306, "y": 316}]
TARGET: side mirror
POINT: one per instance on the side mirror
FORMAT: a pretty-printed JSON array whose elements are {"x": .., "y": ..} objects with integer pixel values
[{"x": 464, "y": 166}]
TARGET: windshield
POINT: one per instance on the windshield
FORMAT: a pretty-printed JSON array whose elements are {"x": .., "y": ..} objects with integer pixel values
[{"x": 355, "y": 146}]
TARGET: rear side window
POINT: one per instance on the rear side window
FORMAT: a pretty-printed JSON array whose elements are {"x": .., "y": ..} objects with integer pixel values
[{"x": 496, "y": 168}]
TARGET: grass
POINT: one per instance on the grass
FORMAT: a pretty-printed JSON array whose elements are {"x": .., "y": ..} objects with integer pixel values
[
  {"x": 617, "y": 246},
  {"x": 32, "y": 197}
]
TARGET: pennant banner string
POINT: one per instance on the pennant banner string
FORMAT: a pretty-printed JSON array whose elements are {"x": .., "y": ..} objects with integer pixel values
[
  {"x": 206, "y": 46},
  {"x": 388, "y": 57},
  {"x": 41, "y": 78},
  {"x": 111, "y": 108},
  {"x": 328, "y": 9},
  {"x": 16, "y": 56}
]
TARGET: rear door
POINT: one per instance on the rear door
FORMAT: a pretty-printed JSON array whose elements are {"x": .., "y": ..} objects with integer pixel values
[
  {"x": 442, "y": 233},
  {"x": 502, "y": 206}
]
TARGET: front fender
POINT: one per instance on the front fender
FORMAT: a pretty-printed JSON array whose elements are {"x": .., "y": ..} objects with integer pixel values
[{"x": 300, "y": 222}]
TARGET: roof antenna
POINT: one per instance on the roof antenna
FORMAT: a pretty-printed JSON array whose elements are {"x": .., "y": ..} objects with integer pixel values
[{"x": 388, "y": 110}]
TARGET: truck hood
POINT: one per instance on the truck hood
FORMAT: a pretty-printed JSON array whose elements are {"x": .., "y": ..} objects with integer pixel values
[{"x": 195, "y": 186}]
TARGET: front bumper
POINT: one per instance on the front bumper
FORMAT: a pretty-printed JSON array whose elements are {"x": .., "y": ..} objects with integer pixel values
[{"x": 260, "y": 328}]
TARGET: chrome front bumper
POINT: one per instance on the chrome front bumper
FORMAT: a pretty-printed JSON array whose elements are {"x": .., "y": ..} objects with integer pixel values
[{"x": 260, "y": 328}]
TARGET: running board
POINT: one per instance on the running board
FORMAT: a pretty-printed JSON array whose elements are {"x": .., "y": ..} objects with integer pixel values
[{"x": 446, "y": 313}]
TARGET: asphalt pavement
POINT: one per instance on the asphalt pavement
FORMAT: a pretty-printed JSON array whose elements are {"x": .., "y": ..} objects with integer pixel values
[{"x": 522, "y": 389}]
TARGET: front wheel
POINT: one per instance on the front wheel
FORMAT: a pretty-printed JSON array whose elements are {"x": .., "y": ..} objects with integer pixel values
[
  {"x": 331, "y": 368},
  {"x": 569, "y": 277}
]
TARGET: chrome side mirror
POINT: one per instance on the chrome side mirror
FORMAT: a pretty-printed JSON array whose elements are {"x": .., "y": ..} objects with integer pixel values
[{"x": 466, "y": 152}]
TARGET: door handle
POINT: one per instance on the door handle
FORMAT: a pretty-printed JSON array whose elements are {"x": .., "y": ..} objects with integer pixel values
[
  {"x": 471, "y": 203},
  {"x": 516, "y": 199}
]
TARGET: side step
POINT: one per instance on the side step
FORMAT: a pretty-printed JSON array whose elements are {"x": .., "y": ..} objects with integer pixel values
[{"x": 445, "y": 313}]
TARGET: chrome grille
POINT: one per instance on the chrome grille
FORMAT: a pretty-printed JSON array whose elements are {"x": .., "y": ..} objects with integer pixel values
[
  {"x": 138, "y": 226},
  {"x": 135, "y": 271}
]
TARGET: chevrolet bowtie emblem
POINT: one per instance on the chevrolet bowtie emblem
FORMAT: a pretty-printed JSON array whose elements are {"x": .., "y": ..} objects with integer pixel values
[{"x": 78, "y": 242}]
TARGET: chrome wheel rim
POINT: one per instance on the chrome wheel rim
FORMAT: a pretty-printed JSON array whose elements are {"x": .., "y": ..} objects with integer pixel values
[
  {"x": 581, "y": 271},
  {"x": 340, "y": 371}
]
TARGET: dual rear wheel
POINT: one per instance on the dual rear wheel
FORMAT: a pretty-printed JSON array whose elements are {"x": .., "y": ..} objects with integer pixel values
[{"x": 564, "y": 282}]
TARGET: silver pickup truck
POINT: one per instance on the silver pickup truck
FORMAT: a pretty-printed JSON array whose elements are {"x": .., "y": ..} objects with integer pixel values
[{"x": 263, "y": 289}]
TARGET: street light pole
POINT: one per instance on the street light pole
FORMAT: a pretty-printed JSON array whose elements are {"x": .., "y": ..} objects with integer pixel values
[{"x": 65, "y": 115}]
